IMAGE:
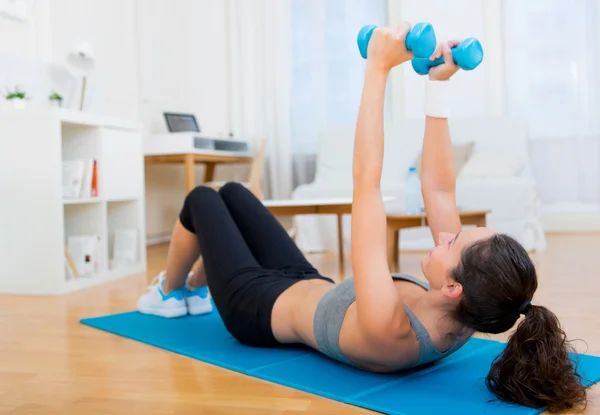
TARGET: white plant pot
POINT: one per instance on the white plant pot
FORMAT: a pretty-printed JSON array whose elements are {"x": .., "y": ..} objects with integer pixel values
[
  {"x": 19, "y": 104},
  {"x": 55, "y": 104}
]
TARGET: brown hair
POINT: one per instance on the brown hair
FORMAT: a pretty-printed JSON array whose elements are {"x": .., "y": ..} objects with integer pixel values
[{"x": 535, "y": 369}]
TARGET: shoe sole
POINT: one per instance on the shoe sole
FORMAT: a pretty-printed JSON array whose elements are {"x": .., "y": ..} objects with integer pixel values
[
  {"x": 162, "y": 312},
  {"x": 204, "y": 309}
]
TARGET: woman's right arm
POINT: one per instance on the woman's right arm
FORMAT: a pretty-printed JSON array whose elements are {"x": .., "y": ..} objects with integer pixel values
[
  {"x": 380, "y": 312},
  {"x": 438, "y": 178}
]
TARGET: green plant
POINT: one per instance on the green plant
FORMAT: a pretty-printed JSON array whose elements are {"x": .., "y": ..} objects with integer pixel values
[
  {"x": 16, "y": 94},
  {"x": 55, "y": 97}
]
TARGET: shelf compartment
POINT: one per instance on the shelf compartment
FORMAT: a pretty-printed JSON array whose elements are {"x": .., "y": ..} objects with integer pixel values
[
  {"x": 123, "y": 232},
  {"x": 87, "y": 221}
]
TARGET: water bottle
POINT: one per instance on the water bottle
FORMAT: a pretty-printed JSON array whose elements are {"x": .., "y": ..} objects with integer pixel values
[{"x": 412, "y": 192}]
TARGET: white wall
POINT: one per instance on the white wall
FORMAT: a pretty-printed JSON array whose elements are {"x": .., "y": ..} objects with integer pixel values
[
  {"x": 183, "y": 54},
  {"x": 30, "y": 39},
  {"x": 109, "y": 26},
  {"x": 25, "y": 49},
  {"x": 184, "y": 67},
  {"x": 54, "y": 27}
]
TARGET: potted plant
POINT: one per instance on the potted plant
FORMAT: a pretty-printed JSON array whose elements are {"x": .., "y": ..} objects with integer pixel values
[
  {"x": 17, "y": 97},
  {"x": 55, "y": 99}
]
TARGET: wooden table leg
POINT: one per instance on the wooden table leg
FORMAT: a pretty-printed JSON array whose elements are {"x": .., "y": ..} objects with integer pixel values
[
  {"x": 397, "y": 250},
  {"x": 482, "y": 221},
  {"x": 209, "y": 173},
  {"x": 190, "y": 181},
  {"x": 392, "y": 249},
  {"x": 341, "y": 246}
]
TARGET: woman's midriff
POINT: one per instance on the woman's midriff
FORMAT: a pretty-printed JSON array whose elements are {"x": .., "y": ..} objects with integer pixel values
[{"x": 292, "y": 318}]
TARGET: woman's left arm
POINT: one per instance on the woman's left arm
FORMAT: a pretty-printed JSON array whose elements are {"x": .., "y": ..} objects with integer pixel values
[
  {"x": 379, "y": 309},
  {"x": 438, "y": 178}
]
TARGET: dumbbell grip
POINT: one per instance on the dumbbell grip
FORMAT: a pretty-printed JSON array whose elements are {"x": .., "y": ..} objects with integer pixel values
[
  {"x": 467, "y": 55},
  {"x": 422, "y": 66},
  {"x": 440, "y": 60}
]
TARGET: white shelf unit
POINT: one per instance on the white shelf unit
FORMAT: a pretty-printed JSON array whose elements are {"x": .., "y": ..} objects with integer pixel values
[{"x": 35, "y": 220}]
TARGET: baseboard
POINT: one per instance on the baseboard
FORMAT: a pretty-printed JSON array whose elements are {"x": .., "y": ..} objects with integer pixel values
[
  {"x": 158, "y": 240},
  {"x": 571, "y": 222}
]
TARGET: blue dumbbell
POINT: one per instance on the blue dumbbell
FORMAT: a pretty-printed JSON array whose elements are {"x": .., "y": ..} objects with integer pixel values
[
  {"x": 420, "y": 40},
  {"x": 467, "y": 55}
]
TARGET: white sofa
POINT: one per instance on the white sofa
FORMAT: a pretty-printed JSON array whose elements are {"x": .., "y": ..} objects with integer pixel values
[{"x": 496, "y": 177}]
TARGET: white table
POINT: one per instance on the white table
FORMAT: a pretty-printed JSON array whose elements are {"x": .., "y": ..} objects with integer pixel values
[{"x": 207, "y": 157}]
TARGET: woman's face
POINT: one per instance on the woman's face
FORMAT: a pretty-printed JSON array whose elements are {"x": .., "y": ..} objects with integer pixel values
[{"x": 438, "y": 264}]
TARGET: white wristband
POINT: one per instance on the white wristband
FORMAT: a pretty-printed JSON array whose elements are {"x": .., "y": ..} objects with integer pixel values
[{"x": 436, "y": 99}]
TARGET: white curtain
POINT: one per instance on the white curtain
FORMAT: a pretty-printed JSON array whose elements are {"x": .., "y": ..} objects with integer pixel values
[
  {"x": 326, "y": 71},
  {"x": 259, "y": 43},
  {"x": 295, "y": 68},
  {"x": 551, "y": 54}
]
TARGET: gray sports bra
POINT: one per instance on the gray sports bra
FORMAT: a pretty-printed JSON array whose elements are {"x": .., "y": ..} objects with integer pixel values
[{"x": 331, "y": 311}]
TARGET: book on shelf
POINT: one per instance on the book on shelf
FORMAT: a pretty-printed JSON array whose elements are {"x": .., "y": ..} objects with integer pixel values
[
  {"x": 95, "y": 179},
  {"x": 72, "y": 272},
  {"x": 80, "y": 179}
]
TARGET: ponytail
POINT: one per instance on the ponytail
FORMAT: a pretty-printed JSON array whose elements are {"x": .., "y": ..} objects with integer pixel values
[{"x": 535, "y": 369}]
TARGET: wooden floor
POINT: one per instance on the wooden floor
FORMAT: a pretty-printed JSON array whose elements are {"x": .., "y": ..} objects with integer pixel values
[{"x": 51, "y": 364}]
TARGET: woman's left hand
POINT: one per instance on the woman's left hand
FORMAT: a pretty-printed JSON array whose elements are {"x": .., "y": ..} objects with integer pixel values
[{"x": 444, "y": 71}]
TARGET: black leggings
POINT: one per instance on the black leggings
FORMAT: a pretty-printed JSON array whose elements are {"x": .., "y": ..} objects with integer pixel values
[{"x": 248, "y": 256}]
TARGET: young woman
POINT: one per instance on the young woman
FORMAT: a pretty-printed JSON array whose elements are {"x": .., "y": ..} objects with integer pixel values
[{"x": 268, "y": 295}]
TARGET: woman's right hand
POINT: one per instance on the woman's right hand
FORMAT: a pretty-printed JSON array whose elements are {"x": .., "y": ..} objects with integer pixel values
[{"x": 387, "y": 46}]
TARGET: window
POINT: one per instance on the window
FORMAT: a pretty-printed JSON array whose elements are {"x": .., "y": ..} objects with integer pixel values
[{"x": 551, "y": 61}]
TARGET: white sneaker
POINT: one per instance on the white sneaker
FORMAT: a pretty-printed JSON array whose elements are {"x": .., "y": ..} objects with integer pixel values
[
  {"x": 197, "y": 300},
  {"x": 158, "y": 303}
]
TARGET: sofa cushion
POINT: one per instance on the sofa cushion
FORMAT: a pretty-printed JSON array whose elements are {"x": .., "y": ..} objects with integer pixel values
[
  {"x": 492, "y": 165},
  {"x": 336, "y": 151},
  {"x": 334, "y": 157},
  {"x": 460, "y": 152}
]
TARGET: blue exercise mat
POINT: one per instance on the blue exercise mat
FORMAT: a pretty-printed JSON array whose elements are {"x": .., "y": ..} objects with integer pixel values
[{"x": 454, "y": 385}]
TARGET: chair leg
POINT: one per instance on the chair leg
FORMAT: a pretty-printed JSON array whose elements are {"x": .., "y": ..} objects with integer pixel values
[{"x": 292, "y": 232}]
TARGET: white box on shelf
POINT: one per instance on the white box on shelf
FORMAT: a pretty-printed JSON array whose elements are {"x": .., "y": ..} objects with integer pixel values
[
  {"x": 35, "y": 143},
  {"x": 85, "y": 250},
  {"x": 125, "y": 247}
]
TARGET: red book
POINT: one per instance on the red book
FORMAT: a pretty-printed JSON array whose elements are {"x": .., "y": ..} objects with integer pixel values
[{"x": 95, "y": 180}]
